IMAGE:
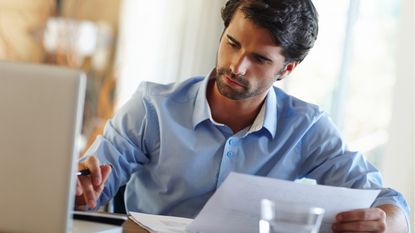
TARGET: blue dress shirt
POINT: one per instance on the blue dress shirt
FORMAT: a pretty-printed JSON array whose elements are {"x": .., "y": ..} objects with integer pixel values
[{"x": 173, "y": 156}]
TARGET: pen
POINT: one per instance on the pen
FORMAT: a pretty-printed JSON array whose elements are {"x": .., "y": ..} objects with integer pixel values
[{"x": 84, "y": 172}]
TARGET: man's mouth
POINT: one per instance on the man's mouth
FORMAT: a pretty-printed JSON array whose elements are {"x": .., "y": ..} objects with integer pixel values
[{"x": 232, "y": 81}]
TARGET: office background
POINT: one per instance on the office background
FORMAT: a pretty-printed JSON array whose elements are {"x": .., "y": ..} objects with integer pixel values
[{"x": 361, "y": 70}]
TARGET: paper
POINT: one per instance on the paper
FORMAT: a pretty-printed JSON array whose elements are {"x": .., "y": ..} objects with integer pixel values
[
  {"x": 80, "y": 226},
  {"x": 235, "y": 206},
  {"x": 160, "y": 223}
]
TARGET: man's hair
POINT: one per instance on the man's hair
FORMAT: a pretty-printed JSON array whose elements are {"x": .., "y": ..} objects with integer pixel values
[{"x": 293, "y": 24}]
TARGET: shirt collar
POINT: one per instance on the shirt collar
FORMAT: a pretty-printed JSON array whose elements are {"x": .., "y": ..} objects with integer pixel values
[
  {"x": 267, "y": 116},
  {"x": 202, "y": 110},
  {"x": 270, "y": 115}
]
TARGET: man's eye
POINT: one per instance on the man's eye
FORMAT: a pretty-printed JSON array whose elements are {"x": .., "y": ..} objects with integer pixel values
[
  {"x": 260, "y": 60},
  {"x": 233, "y": 45}
]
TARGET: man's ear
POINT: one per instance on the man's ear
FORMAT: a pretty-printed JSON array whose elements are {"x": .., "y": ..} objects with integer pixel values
[{"x": 288, "y": 68}]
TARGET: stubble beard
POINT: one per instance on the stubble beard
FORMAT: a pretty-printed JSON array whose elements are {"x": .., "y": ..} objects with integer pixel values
[
  {"x": 232, "y": 93},
  {"x": 229, "y": 92}
]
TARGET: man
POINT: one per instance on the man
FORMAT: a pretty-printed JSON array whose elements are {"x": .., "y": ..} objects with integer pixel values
[{"x": 175, "y": 144}]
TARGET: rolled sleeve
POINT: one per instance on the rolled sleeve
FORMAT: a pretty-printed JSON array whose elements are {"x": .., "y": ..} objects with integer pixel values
[{"x": 393, "y": 197}]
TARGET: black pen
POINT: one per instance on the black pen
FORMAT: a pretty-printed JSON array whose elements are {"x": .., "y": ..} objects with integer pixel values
[{"x": 84, "y": 172}]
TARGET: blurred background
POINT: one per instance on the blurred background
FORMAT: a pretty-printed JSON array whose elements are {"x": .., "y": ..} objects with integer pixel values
[{"x": 361, "y": 69}]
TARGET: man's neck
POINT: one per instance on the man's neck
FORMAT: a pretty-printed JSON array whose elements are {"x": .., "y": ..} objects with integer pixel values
[{"x": 236, "y": 114}]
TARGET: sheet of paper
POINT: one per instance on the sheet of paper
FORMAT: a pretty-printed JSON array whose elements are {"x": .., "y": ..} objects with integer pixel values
[
  {"x": 235, "y": 206},
  {"x": 160, "y": 223}
]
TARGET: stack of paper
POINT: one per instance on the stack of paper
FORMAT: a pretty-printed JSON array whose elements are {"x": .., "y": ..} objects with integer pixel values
[
  {"x": 80, "y": 226},
  {"x": 161, "y": 224}
]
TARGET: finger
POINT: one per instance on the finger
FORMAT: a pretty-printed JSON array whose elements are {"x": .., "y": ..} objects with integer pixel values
[
  {"x": 88, "y": 190},
  {"x": 80, "y": 202},
  {"x": 99, "y": 190},
  {"x": 359, "y": 226},
  {"x": 92, "y": 164},
  {"x": 79, "y": 190},
  {"x": 105, "y": 172},
  {"x": 369, "y": 214}
]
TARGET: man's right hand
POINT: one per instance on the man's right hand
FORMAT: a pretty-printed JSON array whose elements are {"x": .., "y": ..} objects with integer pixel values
[{"x": 89, "y": 188}]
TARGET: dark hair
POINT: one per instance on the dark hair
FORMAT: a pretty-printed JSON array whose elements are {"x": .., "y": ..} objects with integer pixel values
[{"x": 293, "y": 24}]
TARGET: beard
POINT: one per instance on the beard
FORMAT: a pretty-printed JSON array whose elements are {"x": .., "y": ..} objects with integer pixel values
[{"x": 244, "y": 90}]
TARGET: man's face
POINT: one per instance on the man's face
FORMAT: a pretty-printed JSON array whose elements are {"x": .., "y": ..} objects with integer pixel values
[{"x": 248, "y": 61}]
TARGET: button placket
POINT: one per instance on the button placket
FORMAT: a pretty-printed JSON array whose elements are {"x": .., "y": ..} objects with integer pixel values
[
  {"x": 230, "y": 147},
  {"x": 229, "y": 152}
]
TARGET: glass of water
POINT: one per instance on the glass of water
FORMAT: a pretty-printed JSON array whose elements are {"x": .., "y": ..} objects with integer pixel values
[{"x": 277, "y": 217}]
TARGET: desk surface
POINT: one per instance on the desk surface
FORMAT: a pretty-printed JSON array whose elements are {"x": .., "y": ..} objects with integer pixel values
[{"x": 131, "y": 227}]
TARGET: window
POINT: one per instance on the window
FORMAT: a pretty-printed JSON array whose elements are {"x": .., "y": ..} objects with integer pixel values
[{"x": 350, "y": 72}]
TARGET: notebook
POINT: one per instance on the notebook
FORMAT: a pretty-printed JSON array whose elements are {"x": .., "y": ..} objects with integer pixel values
[{"x": 40, "y": 119}]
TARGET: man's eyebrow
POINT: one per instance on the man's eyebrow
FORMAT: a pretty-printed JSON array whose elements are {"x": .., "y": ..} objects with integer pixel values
[
  {"x": 263, "y": 57},
  {"x": 233, "y": 40}
]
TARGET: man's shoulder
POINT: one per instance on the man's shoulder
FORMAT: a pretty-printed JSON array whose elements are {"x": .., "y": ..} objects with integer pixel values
[
  {"x": 175, "y": 89},
  {"x": 291, "y": 104}
]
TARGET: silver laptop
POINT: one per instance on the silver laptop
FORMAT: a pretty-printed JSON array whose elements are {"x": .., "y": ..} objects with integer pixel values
[{"x": 40, "y": 118}]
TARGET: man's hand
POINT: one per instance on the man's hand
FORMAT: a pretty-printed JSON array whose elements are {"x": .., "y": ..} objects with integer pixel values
[
  {"x": 361, "y": 220},
  {"x": 385, "y": 218},
  {"x": 89, "y": 188}
]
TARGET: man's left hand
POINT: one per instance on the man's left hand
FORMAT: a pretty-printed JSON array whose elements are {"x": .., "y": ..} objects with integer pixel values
[{"x": 361, "y": 220}]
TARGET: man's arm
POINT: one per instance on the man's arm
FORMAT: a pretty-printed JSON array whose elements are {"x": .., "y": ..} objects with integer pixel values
[
  {"x": 395, "y": 219},
  {"x": 383, "y": 219},
  {"x": 338, "y": 166}
]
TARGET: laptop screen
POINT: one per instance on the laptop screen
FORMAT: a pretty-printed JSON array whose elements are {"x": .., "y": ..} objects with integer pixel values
[{"x": 40, "y": 119}]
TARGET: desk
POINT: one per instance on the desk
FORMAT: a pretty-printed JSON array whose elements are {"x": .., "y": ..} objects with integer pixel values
[{"x": 131, "y": 227}]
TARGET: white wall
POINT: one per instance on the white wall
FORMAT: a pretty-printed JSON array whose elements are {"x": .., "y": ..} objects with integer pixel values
[
  {"x": 166, "y": 41},
  {"x": 398, "y": 166}
]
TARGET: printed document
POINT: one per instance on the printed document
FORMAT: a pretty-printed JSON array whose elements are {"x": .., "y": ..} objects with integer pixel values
[
  {"x": 160, "y": 223},
  {"x": 235, "y": 206}
]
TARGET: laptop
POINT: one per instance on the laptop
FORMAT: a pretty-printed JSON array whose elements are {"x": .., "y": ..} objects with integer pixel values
[{"x": 40, "y": 119}]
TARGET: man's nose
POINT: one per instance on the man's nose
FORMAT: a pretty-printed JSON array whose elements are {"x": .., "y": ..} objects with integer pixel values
[{"x": 239, "y": 64}]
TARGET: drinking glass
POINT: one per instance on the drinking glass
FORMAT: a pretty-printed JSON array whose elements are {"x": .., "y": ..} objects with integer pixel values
[{"x": 278, "y": 217}]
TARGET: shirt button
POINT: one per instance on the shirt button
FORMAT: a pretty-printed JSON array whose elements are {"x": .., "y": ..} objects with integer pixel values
[
  {"x": 230, "y": 141},
  {"x": 229, "y": 154}
]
